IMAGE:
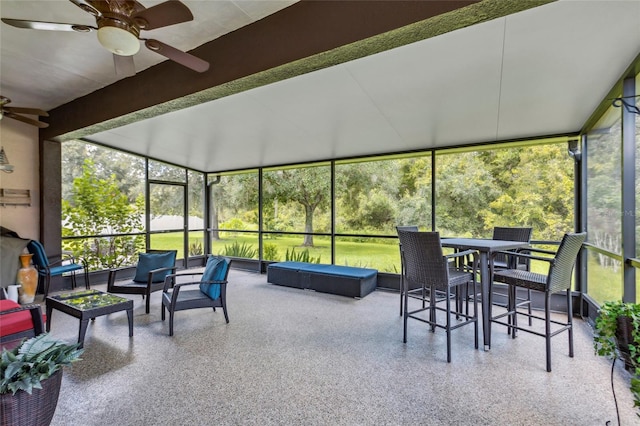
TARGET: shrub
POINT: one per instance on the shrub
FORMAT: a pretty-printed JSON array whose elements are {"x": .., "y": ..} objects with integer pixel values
[
  {"x": 195, "y": 248},
  {"x": 303, "y": 256},
  {"x": 271, "y": 252},
  {"x": 236, "y": 250}
]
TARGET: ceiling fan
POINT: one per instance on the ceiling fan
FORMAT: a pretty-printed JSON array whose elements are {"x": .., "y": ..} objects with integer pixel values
[
  {"x": 119, "y": 23},
  {"x": 14, "y": 112}
]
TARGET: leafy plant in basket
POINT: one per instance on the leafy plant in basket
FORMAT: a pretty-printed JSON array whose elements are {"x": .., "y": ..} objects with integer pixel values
[
  {"x": 617, "y": 335},
  {"x": 30, "y": 379}
]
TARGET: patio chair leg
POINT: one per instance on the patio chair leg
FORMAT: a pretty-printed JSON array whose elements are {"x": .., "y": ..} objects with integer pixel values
[
  {"x": 448, "y": 301},
  {"x": 547, "y": 328},
  {"x": 570, "y": 321}
]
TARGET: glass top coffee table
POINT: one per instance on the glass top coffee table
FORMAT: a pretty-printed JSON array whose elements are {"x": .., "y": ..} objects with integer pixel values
[{"x": 86, "y": 305}]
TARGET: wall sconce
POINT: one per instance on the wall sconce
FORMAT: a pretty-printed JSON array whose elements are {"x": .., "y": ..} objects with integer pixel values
[
  {"x": 574, "y": 149},
  {"x": 4, "y": 162},
  {"x": 620, "y": 102}
]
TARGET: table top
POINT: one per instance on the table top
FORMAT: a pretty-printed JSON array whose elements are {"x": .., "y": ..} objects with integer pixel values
[
  {"x": 88, "y": 299},
  {"x": 482, "y": 244}
]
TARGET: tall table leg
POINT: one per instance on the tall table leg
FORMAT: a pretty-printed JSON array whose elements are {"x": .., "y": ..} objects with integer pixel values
[{"x": 486, "y": 304}]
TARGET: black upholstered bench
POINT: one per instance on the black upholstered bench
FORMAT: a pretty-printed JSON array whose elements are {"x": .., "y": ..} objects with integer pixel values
[{"x": 335, "y": 279}]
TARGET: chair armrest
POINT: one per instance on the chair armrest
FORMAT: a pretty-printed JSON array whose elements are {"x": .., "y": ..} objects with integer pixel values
[
  {"x": 112, "y": 274},
  {"x": 465, "y": 254},
  {"x": 156, "y": 271},
  {"x": 531, "y": 256},
  {"x": 461, "y": 253},
  {"x": 170, "y": 279},
  {"x": 36, "y": 316}
]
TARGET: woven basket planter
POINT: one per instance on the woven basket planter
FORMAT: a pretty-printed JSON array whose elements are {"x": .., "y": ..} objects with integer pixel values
[{"x": 36, "y": 409}]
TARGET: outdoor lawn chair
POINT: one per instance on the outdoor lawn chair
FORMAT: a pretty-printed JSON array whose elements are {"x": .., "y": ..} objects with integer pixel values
[
  {"x": 18, "y": 322},
  {"x": 151, "y": 270},
  {"x": 211, "y": 293},
  {"x": 409, "y": 228},
  {"x": 558, "y": 279},
  {"x": 47, "y": 269},
  {"x": 424, "y": 263}
]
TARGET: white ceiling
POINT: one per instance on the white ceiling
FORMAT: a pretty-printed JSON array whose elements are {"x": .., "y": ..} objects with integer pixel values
[
  {"x": 538, "y": 72},
  {"x": 45, "y": 69}
]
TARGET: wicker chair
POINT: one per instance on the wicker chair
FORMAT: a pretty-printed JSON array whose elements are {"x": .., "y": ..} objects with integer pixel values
[
  {"x": 423, "y": 263},
  {"x": 409, "y": 228},
  {"x": 558, "y": 279},
  {"x": 212, "y": 291},
  {"x": 151, "y": 270},
  {"x": 501, "y": 260}
]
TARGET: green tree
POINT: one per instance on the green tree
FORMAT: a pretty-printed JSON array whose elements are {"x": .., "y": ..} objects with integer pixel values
[
  {"x": 98, "y": 207},
  {"x": 534, "y": 188},
  {"x": 308, "y": 186},
  {"x": 463, "y": 186},
  {"x": 128, "y": 169}
]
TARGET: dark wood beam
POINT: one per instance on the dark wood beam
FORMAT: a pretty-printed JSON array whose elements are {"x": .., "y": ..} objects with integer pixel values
[{"x": 302, "y": 30}]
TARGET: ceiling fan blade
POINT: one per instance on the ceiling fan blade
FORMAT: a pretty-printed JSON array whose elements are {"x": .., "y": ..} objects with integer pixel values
[
  {"x": 48, "y": 26},
  {"x": 87, "y": 7},
  {"x": 124, "y": 65},
  {"x": 25, "y": 119},
  {"x": 31, "y": 111},
  {"x": 162, "y": 15},
  {"x": 183, "y": 58}
]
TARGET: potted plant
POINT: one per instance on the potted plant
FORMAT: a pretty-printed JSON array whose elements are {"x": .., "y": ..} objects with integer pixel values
[
  {"x": 30, "y": 379},
  {"x": 617, "y": 335}
]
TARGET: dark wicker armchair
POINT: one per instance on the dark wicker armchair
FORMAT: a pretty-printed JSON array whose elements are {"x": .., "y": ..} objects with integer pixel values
[
  {"x": 210, "y": 293},
  {"x": 558, "y": 279},
  {"x": 151, "y": 270},
  {"x": 424, "y": 263}
]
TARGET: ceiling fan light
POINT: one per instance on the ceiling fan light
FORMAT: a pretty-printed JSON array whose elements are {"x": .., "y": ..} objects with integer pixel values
[{"x": 118, "y": 41}]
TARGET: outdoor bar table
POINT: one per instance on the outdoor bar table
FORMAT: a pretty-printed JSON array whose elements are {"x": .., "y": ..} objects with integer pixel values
[{"x": 487, "y": 248}]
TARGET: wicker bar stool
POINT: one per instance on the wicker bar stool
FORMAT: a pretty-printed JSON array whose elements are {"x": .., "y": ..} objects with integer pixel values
[
  {"x": 558, "y": 279},
  {"x": 424, "y": 263}
]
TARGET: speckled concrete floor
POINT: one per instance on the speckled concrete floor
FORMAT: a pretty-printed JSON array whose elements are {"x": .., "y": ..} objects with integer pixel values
[{"x": 295, "y": 357}]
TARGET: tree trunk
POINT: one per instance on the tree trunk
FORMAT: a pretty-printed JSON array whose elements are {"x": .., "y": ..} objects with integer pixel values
[
  {"x": 308, "y": 225},
  {"x": 215, "y": 235}
]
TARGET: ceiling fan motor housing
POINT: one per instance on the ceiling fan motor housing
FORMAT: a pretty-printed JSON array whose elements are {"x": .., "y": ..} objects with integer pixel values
[{"x": 118, "y": 35}]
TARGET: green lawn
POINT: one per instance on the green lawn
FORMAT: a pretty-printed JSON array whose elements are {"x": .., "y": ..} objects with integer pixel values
[{"x": 604, "y": 284}]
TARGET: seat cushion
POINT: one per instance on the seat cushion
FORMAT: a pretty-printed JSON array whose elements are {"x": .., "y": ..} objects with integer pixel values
[
  {"x": 59, "y": 270},
  {"x": 216, "y": 270},
  {"x": 147, "y": 262},
  {"x": 15, "y": 322}
]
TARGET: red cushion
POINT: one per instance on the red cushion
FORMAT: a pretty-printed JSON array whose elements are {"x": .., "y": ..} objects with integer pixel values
[{"x": 15, "y": 322}]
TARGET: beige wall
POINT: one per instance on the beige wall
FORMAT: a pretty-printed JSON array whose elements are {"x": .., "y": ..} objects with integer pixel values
[{"x": 20, "y": 142}]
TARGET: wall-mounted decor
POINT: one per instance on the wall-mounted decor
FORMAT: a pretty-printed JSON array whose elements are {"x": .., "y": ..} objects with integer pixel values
[
  {"x": 4, "y": 162},
  {"x": 15, "y": 197}
]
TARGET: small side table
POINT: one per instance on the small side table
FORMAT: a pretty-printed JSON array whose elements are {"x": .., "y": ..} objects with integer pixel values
[{"x": 86, "y": 305}]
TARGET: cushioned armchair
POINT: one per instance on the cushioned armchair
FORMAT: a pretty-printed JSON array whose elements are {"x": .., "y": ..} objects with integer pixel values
[
  {"x": 151, "y": 270},
  {"x": 18, "y": 322},
  {"x": 47, "y": 269},
  {"x": 210, "y": 293}
]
